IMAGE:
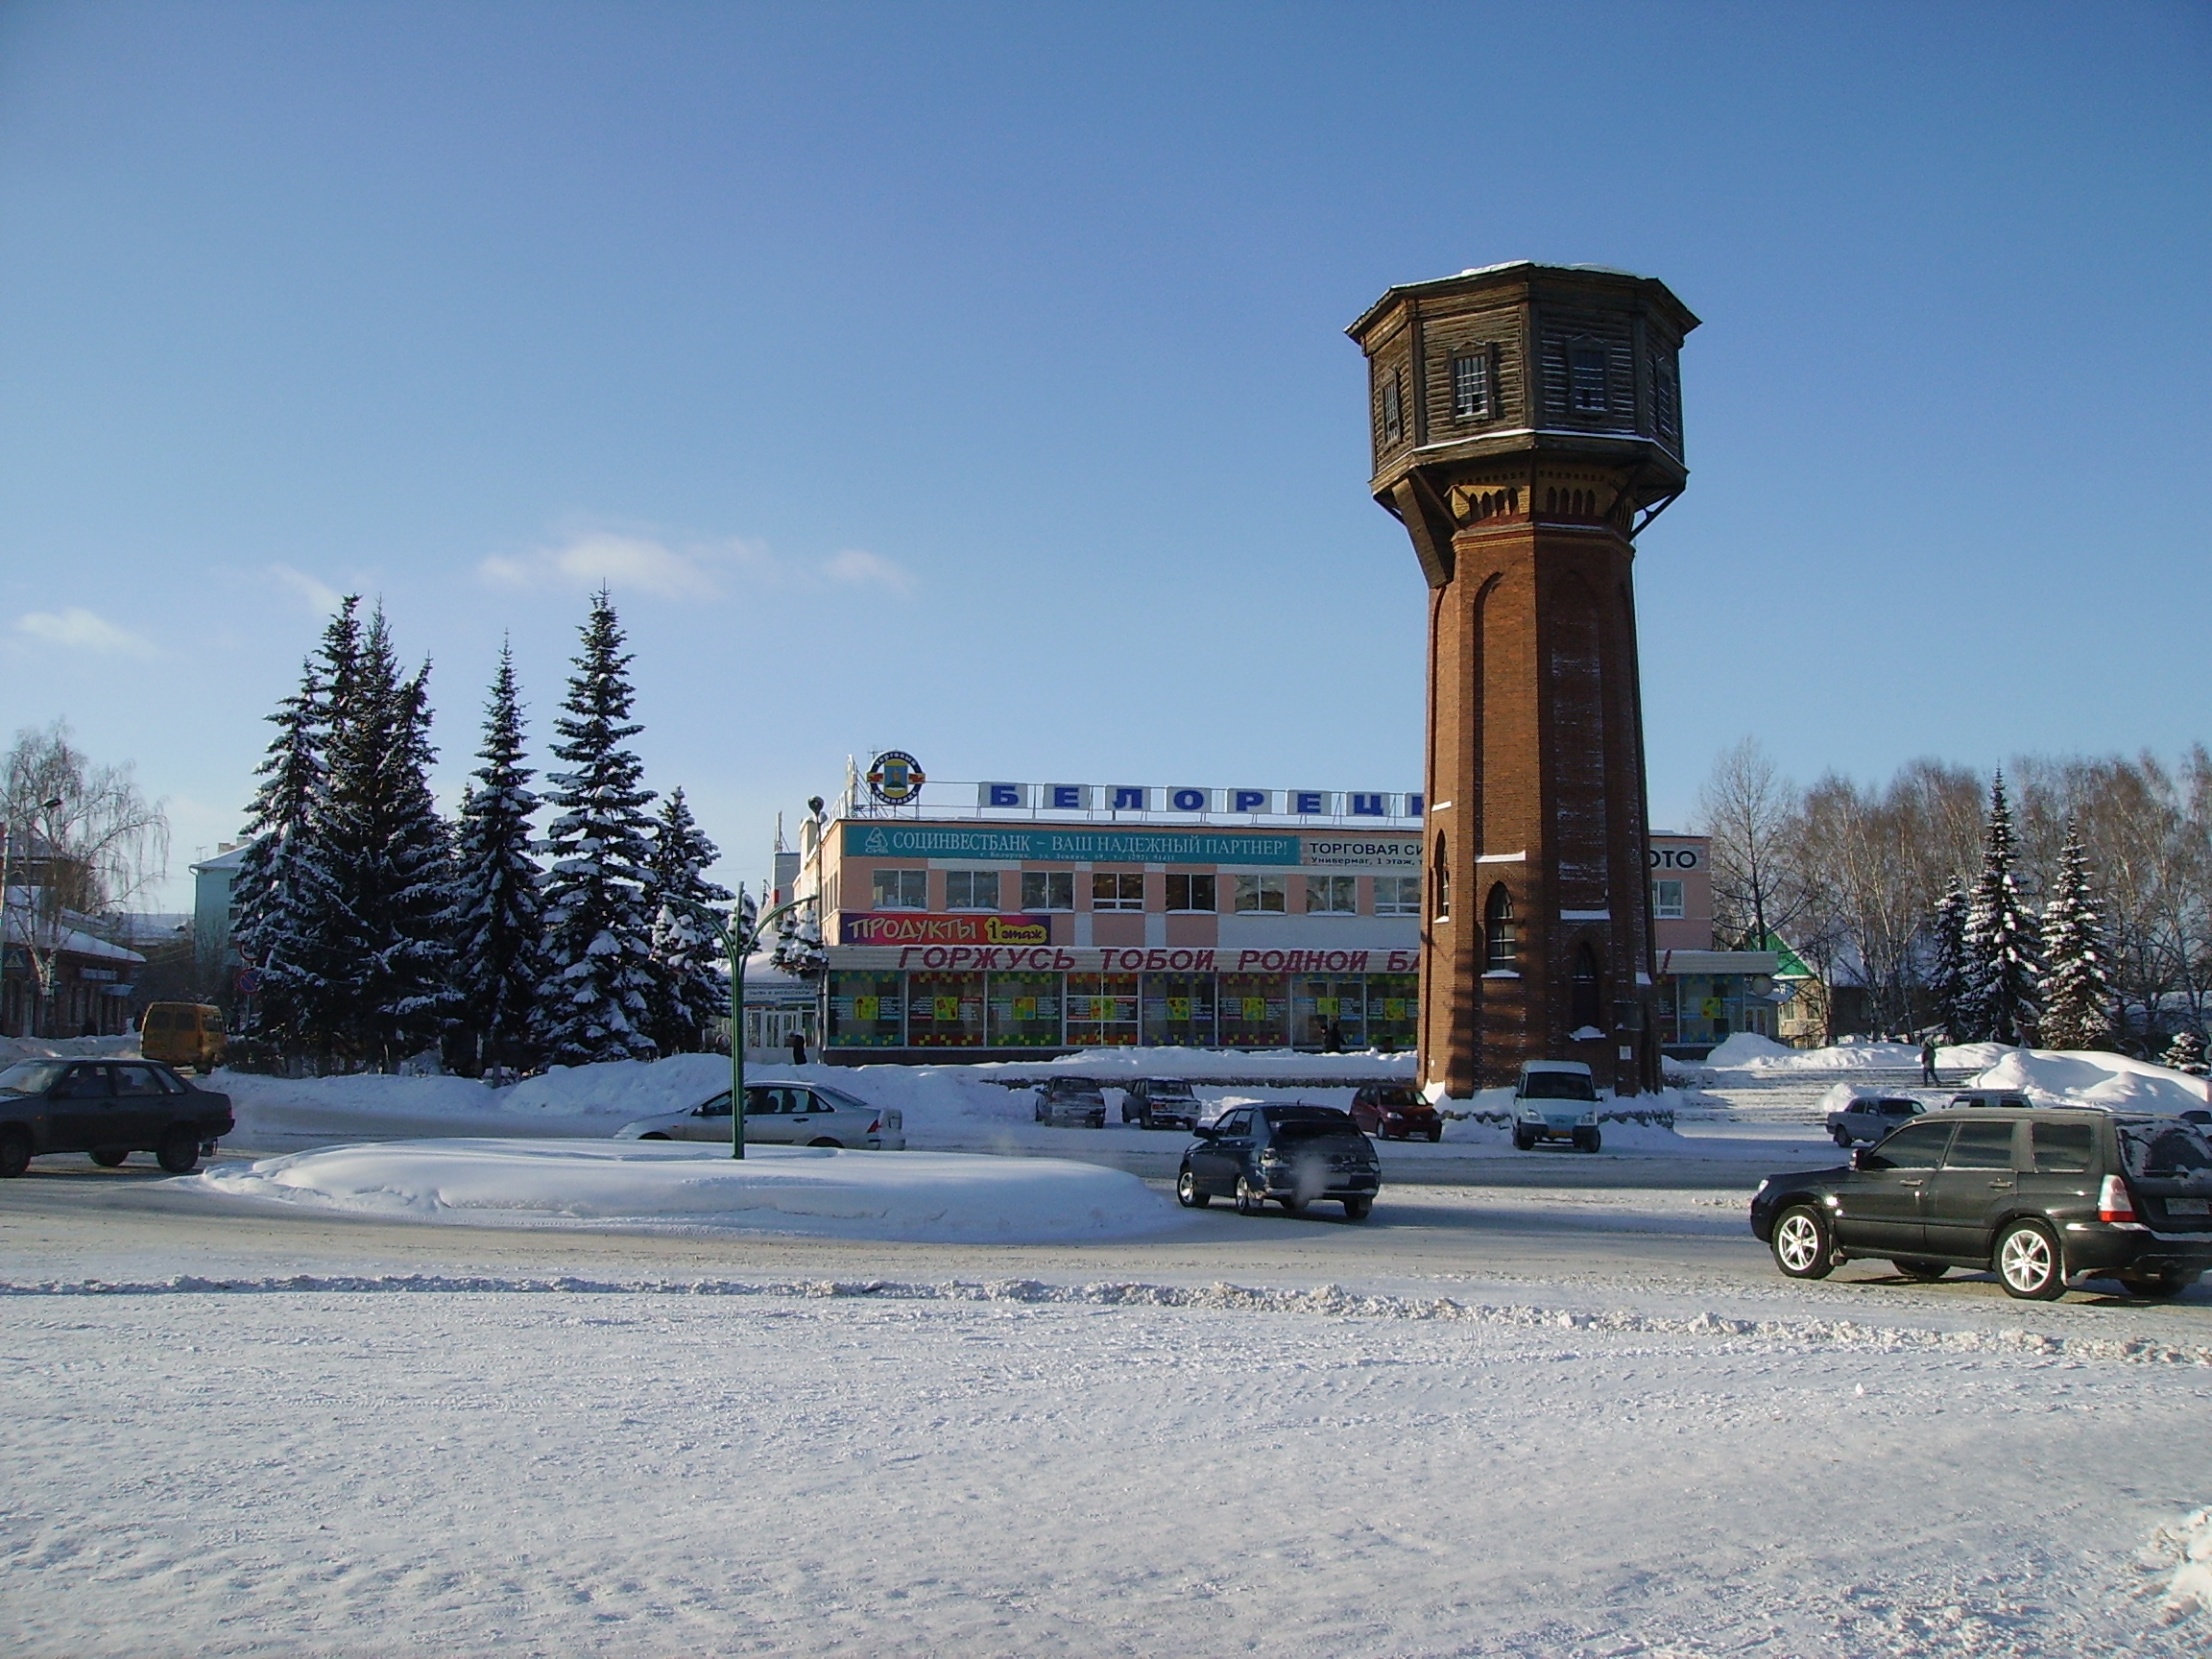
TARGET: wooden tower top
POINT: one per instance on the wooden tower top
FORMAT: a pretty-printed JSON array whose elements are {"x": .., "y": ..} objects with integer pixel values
[{"x": 1525, "y": 359}]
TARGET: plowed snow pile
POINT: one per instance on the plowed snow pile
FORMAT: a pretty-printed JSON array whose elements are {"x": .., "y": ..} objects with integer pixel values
[{"x": 926, "y": 1197}]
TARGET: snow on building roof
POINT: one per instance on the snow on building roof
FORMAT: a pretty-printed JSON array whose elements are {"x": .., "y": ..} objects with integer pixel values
[{"x": 72, "y": 941}]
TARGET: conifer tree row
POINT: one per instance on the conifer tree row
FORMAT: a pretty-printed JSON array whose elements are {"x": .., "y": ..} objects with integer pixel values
[{"x": 377, "y": 930}]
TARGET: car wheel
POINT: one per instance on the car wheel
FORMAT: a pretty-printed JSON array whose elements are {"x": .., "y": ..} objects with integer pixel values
[
  {"x": 1436, "y": 1134},
  {"x": 1920, "y": 1272},
  {"x": 1523, "y": 1141},
  {"x": 1801, "y": 1244},
  {"x": 179, "y": 1151},
  {"x": 1842, "y": 1137},
  {"x": 111, "y": 1157},
  {"x": 2156, "y": 1284},
  {"x": 2028, "y": 1264},
  {"x": 825, "y": 1141},
  {"x": 1295, "y": 1202},
  {"x": 1356, "y": 1209},
  {"x": 1188, "y": 1194},
  {"x": 1587, "y": 1139},
  {"x": 14, "y": 1153},
  {"x": 1250, "y": 1200},
  {"x": 655, "y": 1135}
]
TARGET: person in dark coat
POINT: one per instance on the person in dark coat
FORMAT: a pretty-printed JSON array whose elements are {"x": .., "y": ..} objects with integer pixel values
[
  {"x": 797, "y": 1048},
  {"x": 1928, "y": 1059}
]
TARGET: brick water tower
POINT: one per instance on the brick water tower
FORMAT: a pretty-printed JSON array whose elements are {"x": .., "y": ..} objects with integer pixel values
[{"x": 1528, "y": 424}]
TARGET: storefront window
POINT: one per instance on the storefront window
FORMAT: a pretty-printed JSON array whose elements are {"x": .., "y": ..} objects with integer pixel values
[
  {"x": 1393, "y": 1009},
  {"x": 1191, "y": 892},
  {"x": 1330, "y": 1013},
  {"x": 1253, "y": 1011},
  {"x": 1103, "y": 1010},
  {"x": 1396, "y": 895},
  {"x": 1024, "y": 1010},
  {"x": 972, "y": 890},
  {"x": 1332, "y": 896},
  {"x": 1117, "y": 891},
  {"x": 1259, "y": 894},
  {"x": 945, "y": 1010},
  {"x": 1179, "y": 1009},
  {"x": 901, "y": 889},
  {"x": 865, "y": 1011},
  {"x": 1048, "y": 890}
]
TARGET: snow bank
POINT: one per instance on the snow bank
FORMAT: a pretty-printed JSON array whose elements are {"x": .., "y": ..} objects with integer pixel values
[
  {"x": 15, "y": 1049},
  {"x": 1200, "y": 1063},
  {"x": 931, "y": 1197},
  {"x": 2188, "y": 1548},
  {"x": 1747, "y": 1051},
  {"x": 2094, "y": 1078}
]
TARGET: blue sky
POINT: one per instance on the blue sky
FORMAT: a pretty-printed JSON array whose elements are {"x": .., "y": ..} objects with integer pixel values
[{"x": 971, "y": 379}]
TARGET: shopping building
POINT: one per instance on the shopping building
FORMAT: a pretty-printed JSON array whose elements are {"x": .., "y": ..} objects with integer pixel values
[
  {"x": 1705, "y": 996},
  {"x": 996, "y": 920}
]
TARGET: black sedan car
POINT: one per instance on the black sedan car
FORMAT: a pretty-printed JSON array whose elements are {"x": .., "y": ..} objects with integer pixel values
[
  {"x": 2036, "y": 1195},
  {"x": 1291, "y": 1154},
  {"x": 109, "y": 1107}
]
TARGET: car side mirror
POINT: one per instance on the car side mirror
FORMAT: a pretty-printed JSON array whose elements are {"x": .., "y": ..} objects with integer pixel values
[
  {"x": 1866, "y": 1157},
  {"x": 1205, "y": 1131}
]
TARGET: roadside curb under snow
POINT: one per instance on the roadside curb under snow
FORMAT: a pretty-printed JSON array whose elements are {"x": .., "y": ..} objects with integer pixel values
[{"x": 1326, "y": 1299}]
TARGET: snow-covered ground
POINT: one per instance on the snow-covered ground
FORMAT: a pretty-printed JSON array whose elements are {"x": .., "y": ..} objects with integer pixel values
[
  {"x": 913, "y": 1196},
  {"x": 1019, "y": 1468}
]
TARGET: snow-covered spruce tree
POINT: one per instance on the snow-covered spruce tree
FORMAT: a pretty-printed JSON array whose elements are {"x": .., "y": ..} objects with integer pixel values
[
  {"x": 2186, "y": 1052},
  {"x": 595, "y": 1001},
  {"x": 2075, "y": 990},
  {"x": 690, "y": 982},
  {"x": 799, "y": 951},
  {"x": 1948, "y": 985},
  {"x": 2004, "y": 947},
  {"x": 276, "y": 891},
  {"x": 390, "y": 862},
  {"x": 499, "y": 911}
]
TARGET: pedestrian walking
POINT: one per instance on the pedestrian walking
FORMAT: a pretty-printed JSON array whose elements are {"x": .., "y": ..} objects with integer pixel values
[
  {"x": 1928, "y": 1059},
  {"x": 798, "y": 1042}
]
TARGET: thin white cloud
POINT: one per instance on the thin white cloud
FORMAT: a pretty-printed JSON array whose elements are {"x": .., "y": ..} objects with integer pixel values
[
  {"x": 603, "y": 559},
  {"x": 322, "y": 598},
  {"x": 77, "y": 629},
  {"x": 855, "y": 568},
  {"x": 701, "y": 572}
]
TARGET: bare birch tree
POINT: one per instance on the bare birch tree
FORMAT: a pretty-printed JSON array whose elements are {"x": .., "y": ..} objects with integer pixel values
[{"x": 86, "y": 843}]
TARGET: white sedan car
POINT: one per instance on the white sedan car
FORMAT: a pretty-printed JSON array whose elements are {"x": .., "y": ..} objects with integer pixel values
[{"x": 780, "y": 1115}]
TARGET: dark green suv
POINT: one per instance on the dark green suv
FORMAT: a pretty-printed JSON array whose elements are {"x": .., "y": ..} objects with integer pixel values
[{"x": 2036, "y": 1195}]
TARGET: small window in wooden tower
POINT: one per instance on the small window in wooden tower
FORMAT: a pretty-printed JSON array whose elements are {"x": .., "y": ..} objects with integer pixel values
[
  {"x": 1666, "y": 399},
  {"x": 1393, "y": 409},
  {"x": 1586, "y": 379},
  {"x": 1470, "y": 386}
]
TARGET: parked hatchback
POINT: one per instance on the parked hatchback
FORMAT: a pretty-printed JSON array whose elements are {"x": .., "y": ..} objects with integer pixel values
[
  {"x": 1394, "y": 1111},
  {"x": 1291, "y": 1155},
  {"x": 2037, "y": 1195},
  {"x": 1071, "y": 1102},
  {"x": 109, "y": 1109},
  {"x": 781, "y": 1115},
  {"x": 1160, "y": 1103}
]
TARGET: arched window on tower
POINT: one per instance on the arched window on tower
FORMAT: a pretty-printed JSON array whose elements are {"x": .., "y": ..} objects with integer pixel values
[
  {"x": 1502, "y": 934},
  {"x": 1586, "y": 1002},
  {"x": 1440, "y": 881}
]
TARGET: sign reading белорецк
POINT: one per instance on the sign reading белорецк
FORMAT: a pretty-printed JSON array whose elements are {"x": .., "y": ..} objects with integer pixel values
[
  {"x": 1146, "y": 798},
  {"x": 1190, "y": 847}
]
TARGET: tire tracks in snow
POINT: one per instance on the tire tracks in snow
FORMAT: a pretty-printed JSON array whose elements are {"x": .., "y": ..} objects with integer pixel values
[{"x": 1327, "y": 1300}]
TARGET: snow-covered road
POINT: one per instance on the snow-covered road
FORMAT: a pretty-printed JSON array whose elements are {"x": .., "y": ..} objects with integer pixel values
[{"x": 1029, "y": 1469}]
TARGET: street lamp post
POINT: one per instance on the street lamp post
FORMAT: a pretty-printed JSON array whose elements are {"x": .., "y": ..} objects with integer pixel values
[{"x": 742, "y": 939}]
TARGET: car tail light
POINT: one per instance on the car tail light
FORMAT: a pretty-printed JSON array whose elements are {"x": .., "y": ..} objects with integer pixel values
[
  {"x": 2114, "y": 1203},
  {"x": 876, "y": 1127}
]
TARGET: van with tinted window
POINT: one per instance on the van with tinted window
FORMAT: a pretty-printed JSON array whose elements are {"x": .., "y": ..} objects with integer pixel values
[{"x": 184, "y": 1034}]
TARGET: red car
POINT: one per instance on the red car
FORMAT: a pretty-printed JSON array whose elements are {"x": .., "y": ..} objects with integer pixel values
[{"x": 1394, "y": 1111}]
